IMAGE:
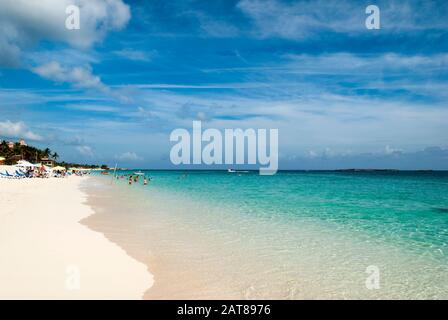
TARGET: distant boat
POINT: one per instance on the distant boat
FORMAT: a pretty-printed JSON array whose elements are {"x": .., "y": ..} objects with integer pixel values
[
  {"x": 105, "y": 172},
  {"x": 139, "y": 173},
  {"x": 236, "y": 171}
]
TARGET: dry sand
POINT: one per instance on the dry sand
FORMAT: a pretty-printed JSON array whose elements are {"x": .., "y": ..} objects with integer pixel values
[{"x": 45, "y": 253}]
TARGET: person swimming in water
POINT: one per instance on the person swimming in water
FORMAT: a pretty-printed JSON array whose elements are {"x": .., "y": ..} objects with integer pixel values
[
  {"x": 145, "y": 181},
  {"x": 130, "y": 180}
]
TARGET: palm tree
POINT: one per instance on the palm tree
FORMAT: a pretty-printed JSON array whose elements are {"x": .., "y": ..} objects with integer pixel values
[
  {"x": 46, "y": 152},
  {"x": 55, "y": 156},
  {"x": 4, "y": 149}
]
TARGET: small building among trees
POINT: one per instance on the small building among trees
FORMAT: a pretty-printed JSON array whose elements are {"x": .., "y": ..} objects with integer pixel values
[{"x": 47, "y": 162}]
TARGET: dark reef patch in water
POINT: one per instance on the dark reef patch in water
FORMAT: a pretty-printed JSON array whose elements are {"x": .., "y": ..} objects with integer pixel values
[{"x": 442, "y": 210}]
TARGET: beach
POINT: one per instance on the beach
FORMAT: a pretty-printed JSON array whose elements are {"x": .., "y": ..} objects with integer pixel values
[
  {"x": 48, "y": 253},
  {"x": 218, "y": 235}
]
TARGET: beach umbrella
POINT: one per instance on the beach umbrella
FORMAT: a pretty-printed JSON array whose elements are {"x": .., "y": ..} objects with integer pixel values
[
  {"x": 24, "y": 163},
  {"x": 59, "y": 168}
]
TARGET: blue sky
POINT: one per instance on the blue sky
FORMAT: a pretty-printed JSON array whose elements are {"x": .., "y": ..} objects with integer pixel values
[{"x": 341, "y": 95}]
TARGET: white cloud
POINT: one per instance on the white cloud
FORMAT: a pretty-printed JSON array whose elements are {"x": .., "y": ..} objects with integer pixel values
[
  {"x": 85, "y": 150},
  {"x": 343, "y": 62},
  {"x": 24, "y": 23},
  {"x": 301, "y": 19},
  {"x": 135, "y": 55},
  {"x": 214, "y": 27},
  {"x": 312, "y": 154},
  {"x": 271, "y": 18},
  {"x": 389, "y": 150},
  {"x": 129, "y": 156},
  {"x": 17, "y": 130},
  {"x": 80, "y": 77},
  {"x": 92, "y": 107},
  {"x": 65, "y": 56}
]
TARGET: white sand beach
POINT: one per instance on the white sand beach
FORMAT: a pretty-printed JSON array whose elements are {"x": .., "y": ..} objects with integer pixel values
[{"x": 46, "y": 253}]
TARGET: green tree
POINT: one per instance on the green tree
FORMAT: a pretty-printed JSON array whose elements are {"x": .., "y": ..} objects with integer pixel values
[
  {"x": 46, "y": 153},
  {"x": 4, "y": 149}
]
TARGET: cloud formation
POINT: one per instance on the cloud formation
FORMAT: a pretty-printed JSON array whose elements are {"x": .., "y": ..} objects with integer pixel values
[
  {"x": 428, "y": 158},
  {"x": 128, "y": 156},
  {"x": 25, "y": 23},
  {"x": 136, "y": 55},
  {"x": 85, "y": 151},
  {"x": 300, "y": 19},
  {"x": 17, "y": 130},
  {"x": 80, "y": 77}
]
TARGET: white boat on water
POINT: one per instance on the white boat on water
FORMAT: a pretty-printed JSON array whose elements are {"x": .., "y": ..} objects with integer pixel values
[
  {"x": 237, "y": 171},
  {"x": 139, "y": 173}
]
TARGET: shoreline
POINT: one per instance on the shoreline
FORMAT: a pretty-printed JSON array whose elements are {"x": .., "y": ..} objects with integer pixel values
[
  {"x": 166, "y": 257},
  {"x": 48, "y": 252}
]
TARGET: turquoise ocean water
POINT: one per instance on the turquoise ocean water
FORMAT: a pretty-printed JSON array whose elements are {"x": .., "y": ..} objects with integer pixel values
[{"x": 298, "y": 234}]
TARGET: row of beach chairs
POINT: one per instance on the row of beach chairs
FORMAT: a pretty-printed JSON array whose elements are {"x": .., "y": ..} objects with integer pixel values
[{"x": 12, "y": 174}]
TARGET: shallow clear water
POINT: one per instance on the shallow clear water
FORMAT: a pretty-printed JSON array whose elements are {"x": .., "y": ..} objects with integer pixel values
[{"x": 292, "y": 235}]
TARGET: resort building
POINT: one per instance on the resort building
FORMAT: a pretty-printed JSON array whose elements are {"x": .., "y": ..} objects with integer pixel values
[
  {"x": 11, "y": 144},
  {"x": 47, "y": 162}
]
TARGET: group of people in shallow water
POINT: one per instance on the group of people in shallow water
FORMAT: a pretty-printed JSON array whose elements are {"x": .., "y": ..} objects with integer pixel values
[{"x": 135, "y": 179}]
